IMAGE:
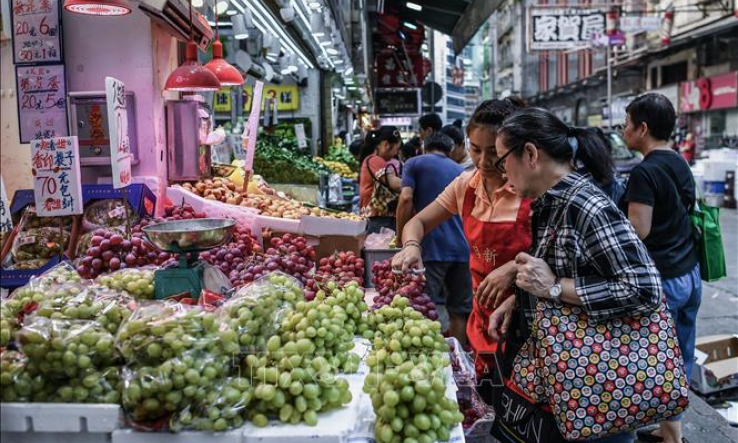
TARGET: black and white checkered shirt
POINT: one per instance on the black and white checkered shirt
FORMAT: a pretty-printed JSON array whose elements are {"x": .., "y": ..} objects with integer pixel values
[{"x": 595, "y": 244}]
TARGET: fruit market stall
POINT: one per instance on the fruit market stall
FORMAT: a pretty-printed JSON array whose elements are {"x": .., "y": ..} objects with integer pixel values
[{"x": 277, "y": 345}]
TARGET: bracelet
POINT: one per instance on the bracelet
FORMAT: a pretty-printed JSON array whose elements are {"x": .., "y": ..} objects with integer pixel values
[{"x": 412, "y": 243}]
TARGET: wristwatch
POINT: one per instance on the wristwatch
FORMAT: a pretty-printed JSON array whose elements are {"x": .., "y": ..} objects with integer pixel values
[{"x": 554, "y": 292}]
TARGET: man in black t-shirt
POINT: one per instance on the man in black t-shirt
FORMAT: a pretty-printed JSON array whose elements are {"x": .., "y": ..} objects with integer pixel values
[{"x": 659, "y": 197}]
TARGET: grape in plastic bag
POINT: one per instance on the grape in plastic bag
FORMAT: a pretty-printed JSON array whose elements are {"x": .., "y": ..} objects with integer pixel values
[
  {"x": 158, "y": 331},
  {"x": 107, "y": 213},
  {"x": 17, "y": 383},
  {"x": 224, "y": 407},
  {"x": 139, "y": 282},
  {"x": 65, "y": 348},
  {"x": 256, "y": 310},
  {"x": 91, "y": 386},
  {"x": 152, "y": 393},
  {"x": 39, "y": 243}
]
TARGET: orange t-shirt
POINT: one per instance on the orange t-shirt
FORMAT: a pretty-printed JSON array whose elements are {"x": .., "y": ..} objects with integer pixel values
[{"x": 503, "y": 207}]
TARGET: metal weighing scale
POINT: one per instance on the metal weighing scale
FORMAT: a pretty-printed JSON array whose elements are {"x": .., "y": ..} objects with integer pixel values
[{"x": 183, "y": 237}]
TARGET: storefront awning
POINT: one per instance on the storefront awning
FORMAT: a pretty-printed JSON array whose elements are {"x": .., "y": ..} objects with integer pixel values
[{"x": 460, "y": 19}]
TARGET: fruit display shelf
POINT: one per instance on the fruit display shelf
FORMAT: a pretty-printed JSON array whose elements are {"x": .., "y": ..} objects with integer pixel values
[{"x": 55, "y": 422}]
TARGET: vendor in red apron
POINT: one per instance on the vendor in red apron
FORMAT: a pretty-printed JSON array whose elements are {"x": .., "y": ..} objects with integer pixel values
[{"x": 496, "y": 225}]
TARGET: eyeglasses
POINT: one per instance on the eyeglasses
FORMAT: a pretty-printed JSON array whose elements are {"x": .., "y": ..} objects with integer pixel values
[{"x": 500, "y": 163}]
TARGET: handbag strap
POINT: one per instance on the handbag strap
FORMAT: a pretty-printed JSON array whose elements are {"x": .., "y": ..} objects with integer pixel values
[{"x": 374, "y": 177}]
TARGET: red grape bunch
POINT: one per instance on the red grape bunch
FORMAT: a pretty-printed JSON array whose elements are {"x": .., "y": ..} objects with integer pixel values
[
  {"x": 232, "y": 255},
  {"x": 110, "y": 251},
  {"x": 341, "y": 268},
  {"x": 410, "y": 285}
]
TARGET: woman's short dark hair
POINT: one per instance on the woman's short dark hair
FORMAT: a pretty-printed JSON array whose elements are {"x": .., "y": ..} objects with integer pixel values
[
  {"x": 656, "y": 111},
  {"x": 386, "y": 133},
  {"x": 438, "y": 142},
  {"x": 561, "y": 142},
  {"x": 491, "y": 113},
  {"x": 431, "y": 121},
  {"x": 455, "y": 132},
  {"x": 355, "y": 147},
  {"x": 409, "y": 150}
]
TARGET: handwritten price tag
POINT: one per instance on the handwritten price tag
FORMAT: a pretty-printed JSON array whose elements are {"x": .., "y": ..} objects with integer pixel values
[
  {"x": 57, "y": 186},
  {"x": 36, "y": 31},
  {"x": 42, "y": 102},
  {"x": 120, "y": 147},
  {"x": 6, "y": 223}
]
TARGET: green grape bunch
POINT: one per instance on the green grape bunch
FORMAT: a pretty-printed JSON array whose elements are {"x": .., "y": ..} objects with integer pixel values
[
  {"x": 91, "y": 386},
  {"x": 65, "y": 348},
  {"x": 139, "y": 282},
  {"x": 17, "y": 383},
  {"x": 224, "y": 407}
]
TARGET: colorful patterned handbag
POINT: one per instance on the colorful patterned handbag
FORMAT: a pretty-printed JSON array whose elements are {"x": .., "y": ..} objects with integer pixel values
[{"x": 602, "y": 378}]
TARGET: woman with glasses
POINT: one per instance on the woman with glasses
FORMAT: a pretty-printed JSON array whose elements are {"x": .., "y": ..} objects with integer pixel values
[
  {"x": 380, "y": 177},
  {"x": 585, "y": 252},
  {"x": 496, "y": 226}
]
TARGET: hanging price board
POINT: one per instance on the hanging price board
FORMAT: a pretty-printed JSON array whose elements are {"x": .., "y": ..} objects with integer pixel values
[
  {"x": 57, "y": 187},
  {"x": 42, "y": 102},
  {"x": 6, "y": 223},
  {"x": 300, "y": 134},
  {"x": 36, "y": 31},
  {"x": 252, "y": 127},
  {"x": 120, "y": 147}
]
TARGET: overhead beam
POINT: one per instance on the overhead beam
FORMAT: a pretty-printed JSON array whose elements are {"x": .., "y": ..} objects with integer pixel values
[{"x": 473, "y": 19}]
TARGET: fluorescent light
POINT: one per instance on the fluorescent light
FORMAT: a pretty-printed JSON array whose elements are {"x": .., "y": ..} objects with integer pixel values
[
  {"x": 414, "y": 6},
  {"x": 332, "y": 51},
  {"x": 338, "y": 62},
  {"x": 231, "y": 12},
  {"x": 326, "y": 43},
  {"x": 197, "y": 3},
  {"x": 409, "y": 25},
  {"x": 349, "y": 70},
  {"x": 221, "y": 6}
]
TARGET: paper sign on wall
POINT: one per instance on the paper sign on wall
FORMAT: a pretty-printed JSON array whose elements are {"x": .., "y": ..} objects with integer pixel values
[
  {"x": 36, "y": 31},
  {"x": 300, "y": 134},
  {"x": 252, "y": 127},
  {"x": 57, "y": 187},
  {"x": 120, "y": 147},
  {"x": 6, "y": 223},
  {"x": 42, "y": 102}
]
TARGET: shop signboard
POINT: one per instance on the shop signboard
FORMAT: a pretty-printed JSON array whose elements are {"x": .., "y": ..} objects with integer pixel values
[
  {"x": 252, "y": 128},
  {"x": 300, "y": 134},
  {"x": 394, "y": 71},
  {"x": 57, "y": 187},
  {"x": 637, "y": 24},
  {"x": 42, "y": 102},
  {"x": 222, "y": 101},
  {"x": 287, "y": 97},
  {"x": 563, "y": 28},
  {"x": 6, "y": 223},
  {"x": 120, "y": 147},
  {"x": 36, "y": 32},
  {"x": 397, "y": 102},
  {"x": 671, "y": 92},
  {"x": 708, "y": 93}
]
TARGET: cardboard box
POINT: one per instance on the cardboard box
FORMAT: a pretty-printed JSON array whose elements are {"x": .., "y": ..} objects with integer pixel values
[{"x": 716, "y": 365}]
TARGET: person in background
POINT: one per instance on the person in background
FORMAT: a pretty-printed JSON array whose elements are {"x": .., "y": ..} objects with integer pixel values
[
  {"x": 411, "y": 148},
  {"x": 458, "y": 123},
  {"x": 612, "y": 187},
  {"x": 496, "y": 226},
  {"x": 658, "y": 200},
  {"x": 355, "y": 148},
  {"x": 687, "y": 148},
  {"x": 595, "y": 260},
  {"x": 379, "y": 168},
  {"x": 444, "y": 250},
  {"x": 459, "y": 153},
  {"x": 429, "y": 123}
]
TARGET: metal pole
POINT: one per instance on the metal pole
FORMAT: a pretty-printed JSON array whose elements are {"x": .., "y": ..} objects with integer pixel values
[
  {"x": 609, "y": 87},
  {"x": 433, "y": 72}
]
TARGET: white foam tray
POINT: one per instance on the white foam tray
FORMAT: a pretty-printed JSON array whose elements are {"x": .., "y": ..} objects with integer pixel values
[{"x": 59, "y": 417}]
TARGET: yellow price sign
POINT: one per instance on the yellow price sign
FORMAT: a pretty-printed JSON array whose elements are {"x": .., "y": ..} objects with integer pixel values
[
  {"x": 222, "y": 101},
  {"x": 287, "y": 96}
]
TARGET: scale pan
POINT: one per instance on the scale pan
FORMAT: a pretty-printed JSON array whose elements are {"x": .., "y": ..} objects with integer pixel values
[{"x": 190, "y": 235}]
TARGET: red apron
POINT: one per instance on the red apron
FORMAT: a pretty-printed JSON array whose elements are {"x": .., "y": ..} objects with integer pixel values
[{"x": 491, "y": 244}]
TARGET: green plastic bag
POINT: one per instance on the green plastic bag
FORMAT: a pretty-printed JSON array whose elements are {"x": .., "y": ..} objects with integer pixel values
[{"x": 706, "y": 219}]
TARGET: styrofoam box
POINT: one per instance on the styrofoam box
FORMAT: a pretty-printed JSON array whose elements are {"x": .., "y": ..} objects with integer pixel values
[
  {"x": 318, "y": 226},
  {"x": 59, "y": 417},
  {"x": 131, "y": 436}
]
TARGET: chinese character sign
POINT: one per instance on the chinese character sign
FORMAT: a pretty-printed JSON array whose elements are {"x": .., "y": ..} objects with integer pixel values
[
  {"x": 120, "y": 148},
  {"x": 552, "y": 28},
  {"x": 36, "y": 31},
  {"x": 42, "y": 102},
  {"x": 6, "y": 223},
  {"x": 286, "y": 96},
  {"x": 57, "y": 186}
]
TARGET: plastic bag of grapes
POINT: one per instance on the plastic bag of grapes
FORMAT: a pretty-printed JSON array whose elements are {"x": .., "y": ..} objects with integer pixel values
[
  {"x": 256, "y": 311},
  {"x": 65, "y": 348},
  {"x": 224, "y": 407},
  {"x": 139, "y": 282},
  {"x": 31, "y": 220},
  {"x": 106, "y": 306},
  {"x": 106, "y": 213},
  {"x": 85, "y": 241},
  {"x": 91, "y": 386},
  {"x": 17, "y": 383},
  {"x": 152, "y": 394},
  {"x": 39, "y": 243},
  {"x": 24, "y": 300},
  {"x": 158, "y": 331}
]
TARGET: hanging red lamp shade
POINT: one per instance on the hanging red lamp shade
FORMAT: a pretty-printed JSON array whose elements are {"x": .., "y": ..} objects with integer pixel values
[
  {"x": 192, "y": 76},
  {"x": 98, "y": 7},
  {"x": 226, "y": 73}
]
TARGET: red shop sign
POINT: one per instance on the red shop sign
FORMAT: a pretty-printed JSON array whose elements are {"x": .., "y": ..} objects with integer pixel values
[{"x": 717, "y": 92}]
